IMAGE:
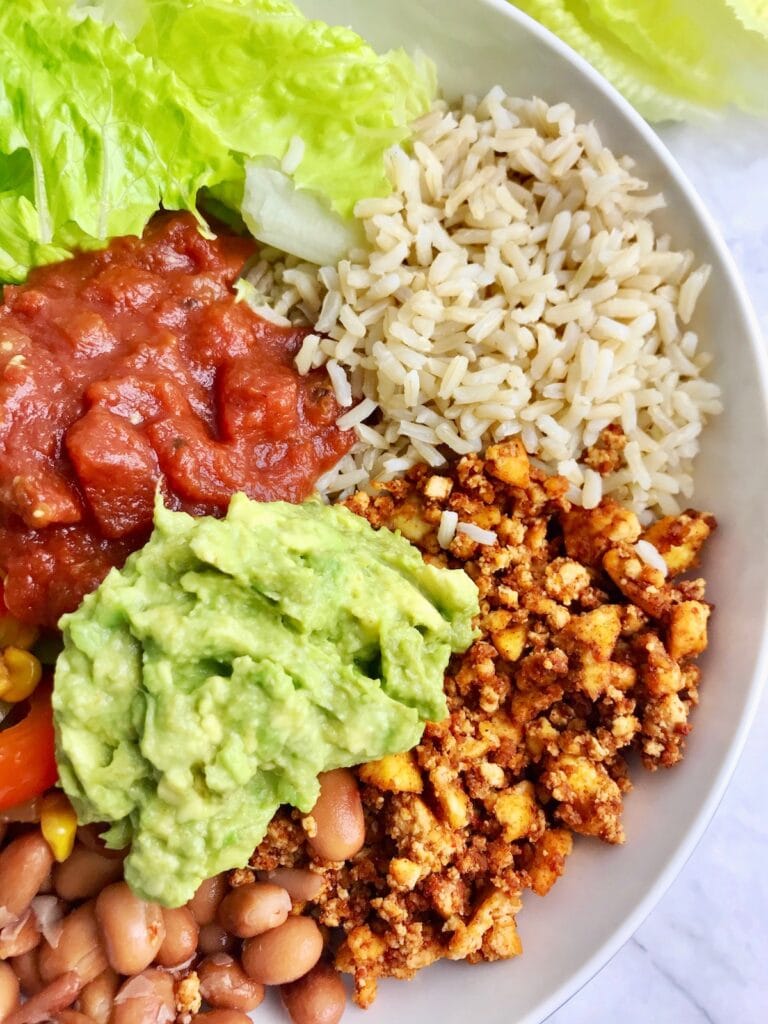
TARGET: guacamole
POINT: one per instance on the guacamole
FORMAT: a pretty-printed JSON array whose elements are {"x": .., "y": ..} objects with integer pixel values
[{"x": 230, "y": 662}]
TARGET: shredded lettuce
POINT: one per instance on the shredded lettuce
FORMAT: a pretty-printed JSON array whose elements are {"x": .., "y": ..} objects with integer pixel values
[
  {"x": 114, "y": 108},
  {"x": 671, "y": 58}
]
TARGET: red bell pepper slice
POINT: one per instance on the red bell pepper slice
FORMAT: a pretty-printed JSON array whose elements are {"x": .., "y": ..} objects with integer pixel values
[{"x": 27, "y": 759}]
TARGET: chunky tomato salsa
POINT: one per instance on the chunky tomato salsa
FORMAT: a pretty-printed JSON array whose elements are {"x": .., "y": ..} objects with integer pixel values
[{"x": 131, "y": 368}]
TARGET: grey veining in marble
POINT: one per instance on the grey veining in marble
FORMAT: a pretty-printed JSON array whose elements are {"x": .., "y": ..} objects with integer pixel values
[{"x": 702, "y": 955}]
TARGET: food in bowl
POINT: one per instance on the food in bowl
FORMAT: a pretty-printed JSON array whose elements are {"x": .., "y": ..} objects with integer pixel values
[{"x": 495, "y": 363}]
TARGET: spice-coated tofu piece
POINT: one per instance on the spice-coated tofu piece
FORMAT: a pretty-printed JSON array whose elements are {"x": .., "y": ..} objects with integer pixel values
[
  {"x": 642, "y": 584},
  {"x": 393, "y": 773},
  {"x": 589, "y": 533},
  {"x": 659, "y": 672},
  {"x": 679, "y": 539},
  {"x": 589, "y": 800},
  {"x": 438, "y": 488},
  {"x": 453, "y": 802},
  {"x": 664, "y": 728},
  {"x": 510, "y": 642},
  {"x": 548, "y": 861},
  {"x": 508, "y": 461},
  {"x": 519, "y": 813},
  {"x": 594, "y": 633},
  {"x": 596, "y": 678},
  {"x": 496, "y": 909},
  {"x": 687, "y": 631}
]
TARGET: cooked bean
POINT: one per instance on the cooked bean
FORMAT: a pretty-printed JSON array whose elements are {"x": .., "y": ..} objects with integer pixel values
[
  {"x": 300, "y": 883},
  {"x": 90, "y": 836},
  {"x": 206, "y": 900},
  {"x": 73, "y": 1017},
  {"x": 27, "y": 971},
  {"x": 317, "y": 998},
  {"x": 285, "y": 953},
  {"x": 224, "y": 984},
  {"x": 147, "y": 997},
  {"x": 85, "y": 873},
  {"x": 46, "y": 886},
  {"x": 9, "y": 991},
  {"x": 19, "y": 938},
  {"x": 51, "y": 1000},
  {"x": 181, "y": 934},
  {"x": 338, "y": 815},
  {"x": 221, "y": 1017},
  {"x": 253, "y": 909},
  {"x": 97, "y": 997},
  {"x": 132, "y": 930},
  {"x": 214, "y": 939},
  {"x": 24, "y": 863},
  {"x": 78, "y": 949},
  {"x": 26, "y": 812}
]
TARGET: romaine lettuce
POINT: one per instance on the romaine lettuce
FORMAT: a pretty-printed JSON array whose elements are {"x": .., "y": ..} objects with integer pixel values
[
  {"x": 670, "y": 58},
  {"x": 110, "y": 109}
]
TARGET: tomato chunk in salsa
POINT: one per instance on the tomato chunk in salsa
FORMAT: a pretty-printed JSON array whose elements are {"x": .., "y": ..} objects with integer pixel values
[{"x": 135, "y": 367}]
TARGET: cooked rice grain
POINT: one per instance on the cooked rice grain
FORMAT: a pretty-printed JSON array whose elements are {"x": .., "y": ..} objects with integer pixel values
[{"x": 514, "y": 284}]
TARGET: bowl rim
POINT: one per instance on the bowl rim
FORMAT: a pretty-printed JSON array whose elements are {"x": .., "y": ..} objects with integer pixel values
[{"x": 728, "y": 269}]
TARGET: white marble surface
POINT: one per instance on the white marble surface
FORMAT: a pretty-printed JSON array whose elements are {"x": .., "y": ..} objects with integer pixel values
[{"x": 701, "y": 956}]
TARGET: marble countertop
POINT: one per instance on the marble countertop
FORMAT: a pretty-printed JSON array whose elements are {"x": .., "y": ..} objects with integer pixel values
[{"x": 700, "y": 958}]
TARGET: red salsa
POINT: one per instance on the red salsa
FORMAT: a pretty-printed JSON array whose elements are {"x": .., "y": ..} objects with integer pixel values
[{"x": 135, "y": 366}]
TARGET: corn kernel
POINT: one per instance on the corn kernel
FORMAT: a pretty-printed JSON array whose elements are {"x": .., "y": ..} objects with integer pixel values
[
  {"x": 58, "y": 823},
  {"x": 20, "y": 673},
  {"x": 16, "y": 634}
]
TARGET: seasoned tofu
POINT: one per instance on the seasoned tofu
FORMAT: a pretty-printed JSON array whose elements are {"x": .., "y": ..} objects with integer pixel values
[
  {"x": 589, "y": 533},
  {"x": 679, "y": 539},
  {"x": 583, "y": 652}
]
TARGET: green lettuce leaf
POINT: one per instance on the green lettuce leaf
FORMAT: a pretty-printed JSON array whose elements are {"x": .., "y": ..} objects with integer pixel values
[
  {"x": 91, "y": 151},
  {"x": 114, "y": 108},
  {"x": 671, "y": 58},
  {"x": 269, "y": 74}
]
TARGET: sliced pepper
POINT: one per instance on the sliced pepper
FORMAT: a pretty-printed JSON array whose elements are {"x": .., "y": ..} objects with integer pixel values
[{"x": 27, "y": 759}]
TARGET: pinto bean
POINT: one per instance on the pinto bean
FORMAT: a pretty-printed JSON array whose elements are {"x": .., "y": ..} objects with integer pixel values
[
  {"x": 84, "y": 874},
  {"x": 206, "y": 900},
  {"x": 46, "y": 887},
  {"x": 77, "y": 951},
  {"x": 254, "y": 908},
  {"x": 225, "y": 985},
  {"x": 221, "y": 1017},
  {"x": 90, "y": 837},
  {"x": 9, "y": 991},
  {"x": 27, "y": 971},
  {"x": 49, "y": 1001},
  {"x": 338, "y": 815},
  {"x": 24, "y": 864},
  {"x": 132, "y": 930},
  {"x": 26, "y": 812},
  {"x": 181, "y": 935},
  {"x": 285, "y": 953},
  {"x": 19, "y": 937},
  {"x": 147, "y": 997},
  {"x": 301, "y": 884},
  {"x": 214, "y": 939},
  {"x": 317, "y": 998},
  {"x": 98, "y": 996}
]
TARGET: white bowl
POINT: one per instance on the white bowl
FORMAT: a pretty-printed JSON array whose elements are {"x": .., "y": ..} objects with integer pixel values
[{"x": 606, "y": 891}]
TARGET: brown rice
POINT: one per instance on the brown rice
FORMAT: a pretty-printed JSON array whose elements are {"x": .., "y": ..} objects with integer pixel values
[{"x": 514, "y": 284}]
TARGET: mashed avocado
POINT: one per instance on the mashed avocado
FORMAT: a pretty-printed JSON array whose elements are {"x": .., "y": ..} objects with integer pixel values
[{"x": 230, "y": 662}]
